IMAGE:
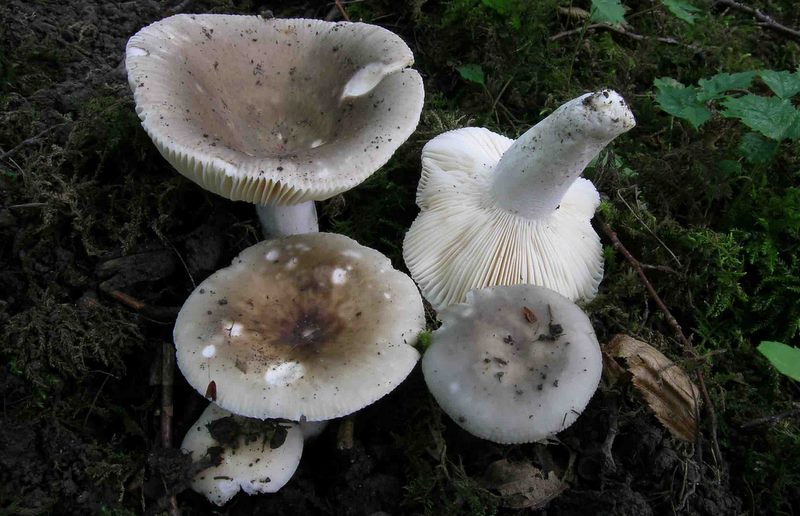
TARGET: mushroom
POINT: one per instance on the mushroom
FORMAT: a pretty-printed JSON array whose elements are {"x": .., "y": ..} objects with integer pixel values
[
  {"x": 277, "y": 112},
  {"x": 254, "y": 456},
  {"x": 514, "y": 364},
  {"x": 305, "y": 327},
  {"x": 501, "y": 212}
]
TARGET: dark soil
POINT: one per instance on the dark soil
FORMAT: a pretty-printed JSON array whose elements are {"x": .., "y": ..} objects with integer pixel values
[{"x": 101, "y": 241}]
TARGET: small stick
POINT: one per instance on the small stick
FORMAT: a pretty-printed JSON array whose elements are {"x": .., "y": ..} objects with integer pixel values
[
  {"x": 167, "y": 406},
  {"x": 764, "y": 19},
  {"x": 618, "y": 30},
  {"x": 344, "y": 435},
  {"x": 30, "y": 141},
  {"x": 773, "y": 418},
  {"x": 678, "y": 331}
]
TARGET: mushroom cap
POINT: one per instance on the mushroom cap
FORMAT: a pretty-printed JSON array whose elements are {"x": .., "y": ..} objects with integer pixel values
[
  {"x": 305, "y": 327},
  {"x": 499, "y": 367},
  {"x": 462, "y": 240},
  {"x": 273, "y": 111},
  {"x": 253, "y": 467}
]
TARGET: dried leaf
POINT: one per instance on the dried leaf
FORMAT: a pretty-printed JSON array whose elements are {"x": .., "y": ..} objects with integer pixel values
[
  {"x": 529, "y": 315},
  {"x": 211, "y": 390},
  {"x": 669, "y": 392},
  {"x": 521, "y": 484},
  {"x": 574, "y": 12}
]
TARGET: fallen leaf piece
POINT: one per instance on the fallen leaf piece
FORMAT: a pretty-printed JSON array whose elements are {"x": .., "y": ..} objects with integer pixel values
[
  {"x": 521, "y": 484},
  {"x": 669, "y": 392},
  {"x": 529, "y": 315}
]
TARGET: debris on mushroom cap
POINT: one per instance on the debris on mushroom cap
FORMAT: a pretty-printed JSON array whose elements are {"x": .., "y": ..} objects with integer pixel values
[
  {"x": 514, "y": 364},
  {"x": 253, "y": 465},
  {"x": 305, "y": 327},
  {"x": 495, "y": 211},
  {"x": 273, "y": 111}
]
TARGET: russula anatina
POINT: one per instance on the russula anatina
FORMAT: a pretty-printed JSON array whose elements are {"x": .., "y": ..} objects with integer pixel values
[
  {"x": 250, "y": 461},
  {"x": 305, "y": 327},
  {"x": 514, "y": 364},
  {"x": 500, "y": 212},
  {"x": 277, "y": 112}
]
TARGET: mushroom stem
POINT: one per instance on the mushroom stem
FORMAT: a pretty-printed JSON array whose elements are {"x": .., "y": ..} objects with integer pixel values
[
  {"x": 293, "y": 219},
  {"x": 537, "y": 170}
]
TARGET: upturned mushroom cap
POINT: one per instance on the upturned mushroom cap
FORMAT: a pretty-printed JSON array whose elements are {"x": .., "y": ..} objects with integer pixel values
[
  {"x": 311, "y": 326},
  {"x": 253, "y": 467},
  {"x": 513, "y": 364},
  {"x": 495, "y": 211},
  {"x": 273, "y": 111}
]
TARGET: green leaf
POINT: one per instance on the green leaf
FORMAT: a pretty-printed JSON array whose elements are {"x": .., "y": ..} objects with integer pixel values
[
  {"x": 712, "y": 87},
  {"x": 786, "y": 359},
  {"x": 773, "y": 117},
  {"x": 608, "y": 11},
  {"x": 505, "y": 8},
  {"x": 681, "y": 10},
  {"x": 756, "y": 149},
  {"x": 680, "y": 101},
  {"x": 784, "y": 84},
  {"x": 472, "y": 73}
]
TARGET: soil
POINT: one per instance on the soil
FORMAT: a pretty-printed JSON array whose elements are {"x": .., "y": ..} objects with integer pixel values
[{"x": 80, "y": 431}]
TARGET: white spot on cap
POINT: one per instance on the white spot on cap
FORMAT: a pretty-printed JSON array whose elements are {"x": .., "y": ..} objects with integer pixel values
[
  {"x": 283, "y": 373},
  {"x": 233, "y": 329},
  {"x": 272, "y": 255},
  {"x": 352, "y": 254},
  {"x": 454, "y": 387},
  {"x": 292, "y": 263},
  {"x": 316, "y": 143},
  {"x": 387, "y": 295},
  {"x": 302, "y": 247},
  {"x": 209, "y": 351},
  {"x": 338, "y": 276}
]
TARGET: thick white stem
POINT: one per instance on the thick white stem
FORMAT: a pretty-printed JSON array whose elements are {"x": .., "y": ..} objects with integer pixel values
[
  {"x": 537, "y": 170},
  {"x": 294, "y": 219}
]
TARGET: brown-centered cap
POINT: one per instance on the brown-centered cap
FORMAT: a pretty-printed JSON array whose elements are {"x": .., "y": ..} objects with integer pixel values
[
  {"x": 305, "y": 327},
  {"x": 273, "y": 111}
]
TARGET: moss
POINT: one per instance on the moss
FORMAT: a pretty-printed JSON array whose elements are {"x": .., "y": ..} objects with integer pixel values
[{"x": 57, "y": 337}]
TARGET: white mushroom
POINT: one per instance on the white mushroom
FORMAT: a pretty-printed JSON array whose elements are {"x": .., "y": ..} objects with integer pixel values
[
  {"x": 501, "y": 212},
  {"x": 300, "y": 328},
  {"x": 252, "y": 465},
  {"x": 513, "y": 364},
  {"x": 275, "y": 112}
]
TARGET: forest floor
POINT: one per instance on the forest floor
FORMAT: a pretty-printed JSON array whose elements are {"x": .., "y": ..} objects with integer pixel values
[{"x": 101, "y": 241}]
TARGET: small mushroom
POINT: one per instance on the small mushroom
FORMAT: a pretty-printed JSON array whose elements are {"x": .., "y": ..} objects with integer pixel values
[
  {"x": 305, "y": 327},
  {"x": 253, "y": 462},
  {"x": 500, "y": 212},
  {"x": 505, "y": 376},
  {"x": 277, "y": 112}
]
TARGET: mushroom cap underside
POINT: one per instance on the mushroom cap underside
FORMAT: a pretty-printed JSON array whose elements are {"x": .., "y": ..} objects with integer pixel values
[{"x": 273, "y": 111}]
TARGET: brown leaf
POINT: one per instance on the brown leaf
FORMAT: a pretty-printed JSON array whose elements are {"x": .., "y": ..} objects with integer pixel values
[
  {"x": 521, "y": 484},
  {"x": 529, "y": 315},
  {"x": 211, "y": 390},
  {"x": 667, "y": 389}
]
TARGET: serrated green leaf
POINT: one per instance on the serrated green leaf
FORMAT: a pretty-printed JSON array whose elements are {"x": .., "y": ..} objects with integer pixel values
[
  {"x": 784, "y": 84},
  {"x": 773, "y": 117},
  {"x": 786, "y": 359},
  {"x": 715, "y": 85},
  {"x": 608, "y": 11},
  {"x": 681, "y": 10},
  {"x": 756, "y": 149},
  {"x": 472, "y": 73},
  {"x": 680, "y": 101}
]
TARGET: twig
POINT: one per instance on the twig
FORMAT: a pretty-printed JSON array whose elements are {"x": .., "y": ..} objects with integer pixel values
[
  {"x": 619, "y": 30},
  {"x": 764, "y": 19},
  {"x": 712, "y": 415},
  {"x": 773, "y": 418},
  {"x": 613, "y": 430},
  {"x": 155, "y": 312},
  {"x": 344, "y": 434},
  {"x": 167, "y": 407},
  {"x": 30, "y": 141}
]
